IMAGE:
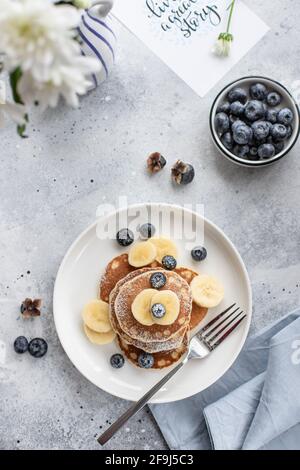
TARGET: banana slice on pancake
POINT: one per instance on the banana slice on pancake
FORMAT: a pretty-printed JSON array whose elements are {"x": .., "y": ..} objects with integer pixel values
[
  {"x": 171, "y": 304},
  {"x": 141, "y": 254},
  {"x": 96, "y": 316},
  {"x": 164, "y": 247},
  {"x": 99, "y": 338},
  {"x": 141, "y": 307}
]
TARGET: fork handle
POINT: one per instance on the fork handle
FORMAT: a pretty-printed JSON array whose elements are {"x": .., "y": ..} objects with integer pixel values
[{"x": 138, "y": 405}]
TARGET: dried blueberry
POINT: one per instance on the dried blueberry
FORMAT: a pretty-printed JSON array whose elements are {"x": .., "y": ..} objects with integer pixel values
[
  {"x": 224, "y": 107},
  {"x": 199, "y": 253},
  {"x": 156, "y": 162},
  {"x": 145, "y": 360},
  {"x": 158, "y": 310},
  {"x": 261, "y": 130},
  {"x": 285, "y": 116},
  {"x": 242, "y": 134},
  {"x": 117, "y": 361},
  {"x": 37, "y": 347},
  {"x": 169, "y": 262},
  {"x": 237, "y": 94},
  {"x": 227, "y": 140},
  {"x": 258, "y": 91},
  {"x": 222, "y": 123},
  {"x": 271, "y": 115},
  {"x": 158, "y": 280},
  {"x": 266, "y": 151},
  {"x": 255, "y": 111},
  {"x": 125, "y": 237},
  {"x": 146, "y": 231},
  {"x": 241, "y": 151},
  {"x": 21, "y": 344},
  {"x": 273, "y": 99},
  {"x": 182, "y": 173},
  {"x": 279, "y": 132},
  {"x": 237, "y": 108}
]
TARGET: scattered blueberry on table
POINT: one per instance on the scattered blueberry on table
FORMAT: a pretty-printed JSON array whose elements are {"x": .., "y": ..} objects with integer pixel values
[
  {"x": 117, "y": 361},
  {"x": 125, "y": 237},
  {"x": 184, "y": 173},
  {"x": 169, "y": 262},
  {"x": 157, "y": 280},
  {"x": 21, "y": 344},
  {"x": 37, "y": 347},
  {"x": 145, "y": 360},
  {"x": 250, "y": 123}
]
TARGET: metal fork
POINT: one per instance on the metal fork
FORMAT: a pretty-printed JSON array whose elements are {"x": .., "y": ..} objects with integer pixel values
[{"x": 200, "y": 346}]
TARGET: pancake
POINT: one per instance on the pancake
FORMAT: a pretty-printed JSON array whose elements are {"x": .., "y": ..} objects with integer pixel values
[
  {"x": 117, "y": 269},
  {"x": 130, "y": 289},
  {"x": 161, "y": 359},
  {"x": 198, "y": 313},
  {"x": 152, "y": 347}
]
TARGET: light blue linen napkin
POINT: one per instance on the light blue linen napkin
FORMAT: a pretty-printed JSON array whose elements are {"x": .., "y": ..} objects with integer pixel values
[{"x": 255, "y": 405}]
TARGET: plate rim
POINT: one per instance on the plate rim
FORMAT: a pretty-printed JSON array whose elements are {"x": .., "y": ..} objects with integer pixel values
[{"x": 159, "y": 400}]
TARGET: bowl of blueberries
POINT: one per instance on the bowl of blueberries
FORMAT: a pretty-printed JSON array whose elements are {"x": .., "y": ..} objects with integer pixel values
[{"x": 254, "y": 121}]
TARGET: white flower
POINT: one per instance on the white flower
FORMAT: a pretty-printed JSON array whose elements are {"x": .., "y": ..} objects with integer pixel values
[
  {"x": 66, "y": 80},
  {"x": 14, "y": 111},
  {"x": 35, "y": 34},
  {"x": 223, "y": 45}
]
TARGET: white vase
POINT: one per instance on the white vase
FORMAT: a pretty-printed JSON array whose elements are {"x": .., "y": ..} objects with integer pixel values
[{"x": 98, "y": 38}]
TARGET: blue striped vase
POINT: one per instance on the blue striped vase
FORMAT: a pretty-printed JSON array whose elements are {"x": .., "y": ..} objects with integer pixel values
[{"x": 98, "y": 38}]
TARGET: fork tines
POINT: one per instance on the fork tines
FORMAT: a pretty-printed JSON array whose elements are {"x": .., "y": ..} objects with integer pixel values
[{"x": 210, "y": 333}]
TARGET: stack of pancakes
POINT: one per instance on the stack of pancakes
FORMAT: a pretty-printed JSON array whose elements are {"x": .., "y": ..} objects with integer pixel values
[{"x": 119, "y": 286}]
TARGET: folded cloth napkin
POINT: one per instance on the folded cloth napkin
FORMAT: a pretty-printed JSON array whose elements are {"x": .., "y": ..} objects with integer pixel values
[{"x": 255, "y": 405}]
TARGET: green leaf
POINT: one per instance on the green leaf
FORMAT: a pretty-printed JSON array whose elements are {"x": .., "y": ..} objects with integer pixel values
[{"x": 14, "y": 78}]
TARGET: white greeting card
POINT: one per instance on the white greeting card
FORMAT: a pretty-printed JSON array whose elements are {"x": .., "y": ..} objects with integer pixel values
[{"x": 183, "y": 32}]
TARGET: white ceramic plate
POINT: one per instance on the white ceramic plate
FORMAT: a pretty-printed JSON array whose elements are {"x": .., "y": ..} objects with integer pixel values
[{"x": 77, "y": 282}]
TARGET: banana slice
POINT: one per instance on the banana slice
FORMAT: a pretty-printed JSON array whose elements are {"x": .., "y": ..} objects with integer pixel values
[
  {"x": 99, "y": 338},
  {"x": 207, "y": 291},
  {"x": 171, "y": 303},
  {"x": 141, "y": 307},
  {"x": 164, "y": 247},
  {"x": 142, "y": 254},
  {"x": 95, "y": 316}
]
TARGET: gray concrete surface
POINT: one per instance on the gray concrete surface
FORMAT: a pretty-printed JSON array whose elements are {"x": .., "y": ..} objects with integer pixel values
[{"x": 52, "y": 183}]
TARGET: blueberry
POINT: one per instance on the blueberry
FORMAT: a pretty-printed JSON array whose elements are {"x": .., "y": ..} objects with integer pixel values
[
  {"x": 117, "y": 361},
  {"x": 145, "y": 360},
  {"x": 237, "y": 94},
  {"x": 285, "y": 116},
  {"x": 222, "y": 123},
  {"x": 182, "y": 173},
  {"x": 279, "y": 146},
  {"x": 21, "y": 344},
  {"x": 273, "y": 99},
  {"x": 261, "y": 130},
  {"x": 37, "y": 347},
  {"x": 253, "y": 153},
  {"x": 158, "y": 280},
  {"x": 266, "y": 151},
  {"x": 241, "y": 151},
  {"x": 169, "y": 262},
  {"x": 227, "y": 140},
  {"x": 146, "y": 231},
  {"x": 158, "y": 310},
  {"x": 125, "y": 237},
  {"x": 279, "y": 132},
  {"x": 199, "y": 253},
  {"x": 258, "y": 92},
  {"x": 289, "y": 131},
  {"x": 242, "y": 134},
  {"x": 188, "y": 176},
  {"x": 255, "y": 111},
  {"x": 271, "y": 115},
  {"x": 224, "y": 107},
  {"x": 237, "y": 108}
]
